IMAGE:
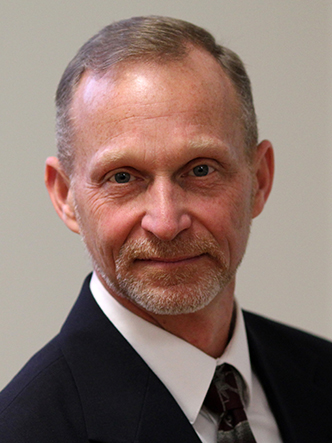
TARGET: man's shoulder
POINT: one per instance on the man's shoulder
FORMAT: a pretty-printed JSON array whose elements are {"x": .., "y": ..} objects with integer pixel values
[
  {"x": 47, "y": 377},
  {"x": 294, "y": 369},
  {"x": 259, "y": 325},
  {"x": 271, "y": 340}
]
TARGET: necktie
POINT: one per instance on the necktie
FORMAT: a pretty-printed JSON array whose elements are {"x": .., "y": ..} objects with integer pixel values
[{"x": 224, "y": 398}]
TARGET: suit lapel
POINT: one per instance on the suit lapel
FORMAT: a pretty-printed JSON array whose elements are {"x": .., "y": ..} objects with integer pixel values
[
  {"x": 286, "y": 363},
  {"x": 122, "y": 399}
]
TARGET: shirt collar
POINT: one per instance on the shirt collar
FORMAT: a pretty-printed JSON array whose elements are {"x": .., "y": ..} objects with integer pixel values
[{"x": 177, "y": 363}]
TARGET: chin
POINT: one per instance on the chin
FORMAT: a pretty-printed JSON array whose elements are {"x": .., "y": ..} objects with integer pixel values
[{"x": 175, "y": 299}]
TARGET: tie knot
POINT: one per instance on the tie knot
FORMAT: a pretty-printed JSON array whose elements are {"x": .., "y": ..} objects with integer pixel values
[
  {"x": 224, "y": 398},
  {"x": 230, "y": 387},
  {"x": 226, "y": 391}
]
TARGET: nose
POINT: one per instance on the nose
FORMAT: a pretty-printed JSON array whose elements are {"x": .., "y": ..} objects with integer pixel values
[{"x": 166, "y": 214}]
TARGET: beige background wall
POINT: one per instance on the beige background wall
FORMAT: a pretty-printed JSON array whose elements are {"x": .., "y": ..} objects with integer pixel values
[{"x": 286, "y": 45}]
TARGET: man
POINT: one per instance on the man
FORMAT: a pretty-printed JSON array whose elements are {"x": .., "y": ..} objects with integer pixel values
[{"x": 160, "y": 171}]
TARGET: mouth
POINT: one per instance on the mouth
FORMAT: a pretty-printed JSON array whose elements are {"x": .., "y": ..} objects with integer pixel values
[{"x": 169, "y": 262}]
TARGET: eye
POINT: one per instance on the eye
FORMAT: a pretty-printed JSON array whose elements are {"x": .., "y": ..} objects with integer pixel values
[
  {"x": 122, "y": 177},
  {"x": 201, "y": 170}
]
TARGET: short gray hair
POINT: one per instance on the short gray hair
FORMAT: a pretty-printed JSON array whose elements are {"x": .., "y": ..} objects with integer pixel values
[{"x": 152, "y": 38}]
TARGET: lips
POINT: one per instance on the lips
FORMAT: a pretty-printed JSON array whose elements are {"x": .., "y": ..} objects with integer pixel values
[{"x": 168, "y": 262}]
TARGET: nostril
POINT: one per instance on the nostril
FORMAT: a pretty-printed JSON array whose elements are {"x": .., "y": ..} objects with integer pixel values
[{"x": 165, "y": 227}]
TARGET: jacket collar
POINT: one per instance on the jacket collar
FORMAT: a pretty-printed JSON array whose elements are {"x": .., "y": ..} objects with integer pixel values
[
  {"x": 122, "y": 399},
  {"x": 293, "y": 368}
]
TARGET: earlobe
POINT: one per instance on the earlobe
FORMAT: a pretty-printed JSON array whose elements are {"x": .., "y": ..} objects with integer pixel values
[
  {"x": 58, "y": 186},
  {"x": 263, "y": 170}
]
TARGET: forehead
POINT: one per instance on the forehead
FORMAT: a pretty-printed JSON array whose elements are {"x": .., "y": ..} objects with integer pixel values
[{"x": 137, "y": 99}]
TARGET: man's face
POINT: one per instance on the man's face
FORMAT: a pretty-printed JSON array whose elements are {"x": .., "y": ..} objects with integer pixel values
[{"x": 162, "y": 187}]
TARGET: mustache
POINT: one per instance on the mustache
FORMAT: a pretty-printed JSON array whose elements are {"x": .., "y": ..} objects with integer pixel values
[{"x": 193, "y": 246}]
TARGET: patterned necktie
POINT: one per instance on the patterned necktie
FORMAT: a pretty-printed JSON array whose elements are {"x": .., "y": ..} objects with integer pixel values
[{"x": 224, "y": 398}]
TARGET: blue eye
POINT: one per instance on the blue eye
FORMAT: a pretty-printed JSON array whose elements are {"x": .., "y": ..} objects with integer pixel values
[
  {"x": 201, "y": 170},
  {"x": 122, "y": 177}
]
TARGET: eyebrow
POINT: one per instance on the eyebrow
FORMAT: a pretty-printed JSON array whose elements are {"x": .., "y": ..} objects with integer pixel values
[{"x": 110, "y": 155}]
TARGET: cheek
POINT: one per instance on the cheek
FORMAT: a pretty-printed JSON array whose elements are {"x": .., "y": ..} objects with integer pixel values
[
  {"x": 232, "y": 210},
  {"x": 241, "y": 213},
  {"x": 240, "y": 222},
  {"x": 240, "y": 203},
  {"x": 228, "y": 219},
  {"x": 107, "y": 227}
]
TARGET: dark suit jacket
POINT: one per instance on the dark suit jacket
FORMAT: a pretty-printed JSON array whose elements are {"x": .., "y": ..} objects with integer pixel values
[{"x": 88, "y": 384}]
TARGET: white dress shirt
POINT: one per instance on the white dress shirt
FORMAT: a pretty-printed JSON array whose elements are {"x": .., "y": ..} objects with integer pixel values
[{"x": 181, "y": 366}]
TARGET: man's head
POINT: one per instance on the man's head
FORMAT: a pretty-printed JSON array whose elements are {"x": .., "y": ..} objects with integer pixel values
[
  {"x": 146, "y": 39},
  {"x": 161, "y": 187}
]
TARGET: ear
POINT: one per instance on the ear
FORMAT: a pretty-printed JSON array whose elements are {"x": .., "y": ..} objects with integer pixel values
[
  {"x": 263, "y": 170},
  {"x": 58, "y": 186}
]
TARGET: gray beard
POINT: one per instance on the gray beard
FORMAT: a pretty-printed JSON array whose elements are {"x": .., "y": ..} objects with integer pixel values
[{"x": 168, "y": 293}]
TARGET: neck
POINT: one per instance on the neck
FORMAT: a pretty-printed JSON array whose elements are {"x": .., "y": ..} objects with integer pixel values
[{"x": 207, "y": 329}]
